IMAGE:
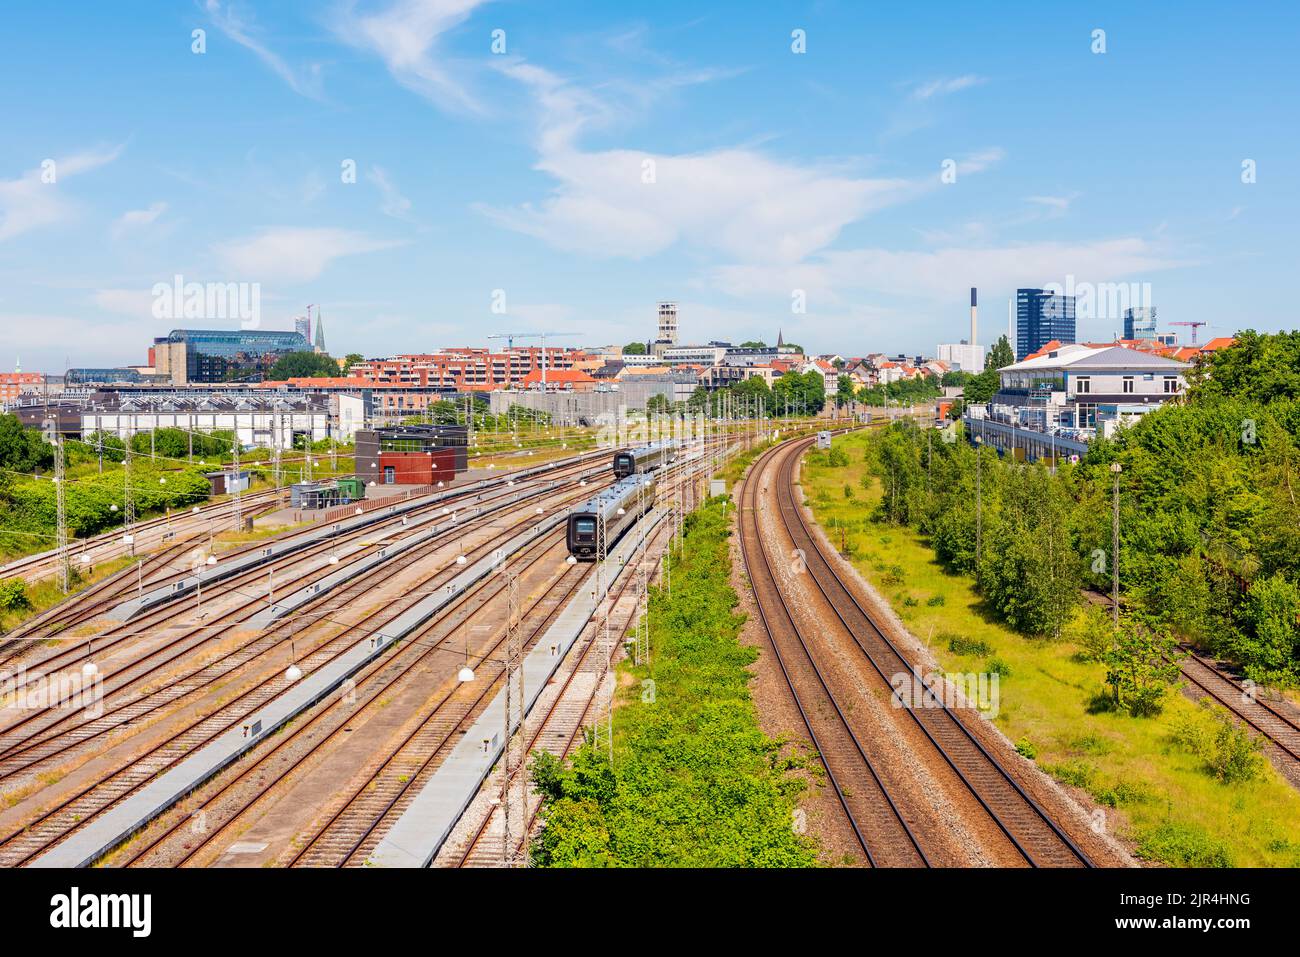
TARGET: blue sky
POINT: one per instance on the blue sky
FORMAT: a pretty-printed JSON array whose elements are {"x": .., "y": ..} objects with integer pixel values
[{"x": 777, "y": 176}]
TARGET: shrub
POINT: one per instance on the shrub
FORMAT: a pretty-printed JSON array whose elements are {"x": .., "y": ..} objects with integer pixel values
[
  {"x": 934, "y": 601},
  {"x": 13, "y": 595},
  {"x": 996, "y": 666},
  {"x": 1183, "y": 845},
  {"x": 1025, "y": 748},
  {"x": 1230, "y": 751},
  {"x": 837, "y": 458},
  {"x": 960, "y": 645},
  {"x": 1079, "y": 774},
  {"x": 893, "y": 575}
]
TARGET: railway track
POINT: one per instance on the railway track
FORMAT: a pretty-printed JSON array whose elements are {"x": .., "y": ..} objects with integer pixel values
[
  {"x": 70, "y": 814},
  {"x": 564, "y": 720},
  {"x": 1035, "y": 836},
  {"x": 1273, "y": 723},
  {"x": 1278, "y": 724},
  {"x": 881, "y": 831},
  {"x": 33, "y": 743},
  {"x": 360, "y": 816}
]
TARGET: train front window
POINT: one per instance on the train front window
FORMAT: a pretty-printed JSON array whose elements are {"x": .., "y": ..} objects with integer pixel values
[{"x": 585, "y": 526}]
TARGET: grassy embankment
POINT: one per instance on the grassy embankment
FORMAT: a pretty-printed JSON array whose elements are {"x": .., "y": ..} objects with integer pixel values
[
  {"x": 1169, "y": 807},
  {"x": 694, "y": 781}
]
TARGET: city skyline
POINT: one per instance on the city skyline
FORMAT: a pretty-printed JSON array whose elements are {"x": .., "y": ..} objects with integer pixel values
[{"x": 520, "y": 178}]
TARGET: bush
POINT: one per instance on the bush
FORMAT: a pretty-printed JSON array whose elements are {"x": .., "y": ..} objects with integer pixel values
[
  {"x": 893, "y": 575},
  {"x": 1025, "y": 748},
  {"x": 837, "y": 458},
  {"x": 960, "y": 645},
  {"x": 13, "y": 595},
  {"x": 1183, "y": 845},
  {"x": 996, "y": 666},
  {"x": 934, "y": 601},
  {"x": 1230, "y": 751}
]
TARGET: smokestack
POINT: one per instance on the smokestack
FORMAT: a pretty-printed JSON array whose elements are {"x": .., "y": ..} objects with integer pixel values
[{"x": 973, "y": 340}]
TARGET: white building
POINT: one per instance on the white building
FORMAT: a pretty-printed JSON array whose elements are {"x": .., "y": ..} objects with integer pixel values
[
  {"x": 962, "y": 356},
  {"x": 256, "y": 421}
]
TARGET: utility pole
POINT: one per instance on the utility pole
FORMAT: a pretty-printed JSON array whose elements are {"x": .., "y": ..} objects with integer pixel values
[
  {"x": 979, "y": 504},
  {"x": 603, "y": 717},
  {"x": 128, "y": 496},
  {"x": 512, "y": 762},
  {"x": 1115, "y": 469},
  {"x": 60, "y": 475},
  {"x": 236, "y": 511}
]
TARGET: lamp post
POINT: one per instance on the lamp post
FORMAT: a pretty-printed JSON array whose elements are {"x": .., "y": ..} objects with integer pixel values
[
  {"x": 979, "y": 502},
  {"x": 1115, "y": 469}
]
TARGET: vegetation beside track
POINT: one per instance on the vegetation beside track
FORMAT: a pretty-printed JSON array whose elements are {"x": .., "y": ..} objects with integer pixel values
[
  {"x": 694, "y": 781},
  {"x": 1162, "y": 778}
]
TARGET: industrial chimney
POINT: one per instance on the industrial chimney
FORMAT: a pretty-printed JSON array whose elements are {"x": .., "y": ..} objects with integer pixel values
[{"x": 973, "y": 340}]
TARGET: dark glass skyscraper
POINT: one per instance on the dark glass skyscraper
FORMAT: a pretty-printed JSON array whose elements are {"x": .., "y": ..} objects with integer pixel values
[
  {"x": 1042, "y": 316},
  {"x": 1140, "y": 323}
]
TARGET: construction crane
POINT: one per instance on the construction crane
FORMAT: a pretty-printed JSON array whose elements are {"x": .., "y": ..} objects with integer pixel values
[
  {"x": 510, "y": 338},
  {"x": 1195, "y": 324}
]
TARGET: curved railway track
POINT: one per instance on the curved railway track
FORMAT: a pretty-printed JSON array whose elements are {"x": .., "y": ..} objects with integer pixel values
[{"x": 1035, "y": 836}]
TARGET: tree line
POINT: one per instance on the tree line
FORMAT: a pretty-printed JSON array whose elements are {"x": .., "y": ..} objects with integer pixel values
[{"x": 1209, "y": 521}]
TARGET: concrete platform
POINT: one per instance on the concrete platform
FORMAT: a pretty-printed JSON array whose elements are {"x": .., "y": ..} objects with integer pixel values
[
  {"x": 112, "y": 827},
  {"x": 416, "y": 837}
]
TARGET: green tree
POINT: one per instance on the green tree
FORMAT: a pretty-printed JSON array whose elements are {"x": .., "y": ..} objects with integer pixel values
[
  {"x": 351, "y": 359},
  {"x": 1141, "y": 665},
  {"x": 1001, "y": 354},
  {"x": 634, "y": 349},
  {"x": 845, "y": 393},
  {"x": 22, "y": 449},
  {"x": 303, "y": 365}
]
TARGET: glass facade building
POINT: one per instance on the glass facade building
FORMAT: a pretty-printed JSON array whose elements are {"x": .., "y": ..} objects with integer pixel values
[
  {"x": 1140, "y": 323},
  {"x": 1042, "y": 316},
  {"x": 225, "y": 355}
]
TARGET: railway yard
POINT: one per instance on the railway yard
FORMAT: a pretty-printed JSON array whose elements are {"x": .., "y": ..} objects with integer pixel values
[{"x": 343, "y": 694}]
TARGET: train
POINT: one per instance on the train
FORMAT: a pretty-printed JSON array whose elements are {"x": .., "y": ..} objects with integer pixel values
[
  {"x": 647, "y": 458},
  {"x": 621, "y": 506}
]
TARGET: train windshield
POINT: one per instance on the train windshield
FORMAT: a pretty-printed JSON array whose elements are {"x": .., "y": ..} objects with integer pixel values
[{"x": 585, "y": 526}]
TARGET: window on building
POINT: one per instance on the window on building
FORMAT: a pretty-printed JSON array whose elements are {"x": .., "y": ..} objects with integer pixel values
[
  {"x": 1082, "y": 384},
  {"x": 1128, "y": 383},
  {"x": 1171, "y": 383}
]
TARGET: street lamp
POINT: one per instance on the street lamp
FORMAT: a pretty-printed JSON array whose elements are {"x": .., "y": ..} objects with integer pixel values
[
  {"x": 979, "y": 501},
  {"x": 1115, "y": 469}
]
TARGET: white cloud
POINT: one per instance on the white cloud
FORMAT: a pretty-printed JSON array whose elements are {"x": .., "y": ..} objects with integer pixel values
[
  {"x": 945, "y": 85},
  {"x": 30, "y": 203},
  {"x": 305, "y": 81},
  {"x": 126, "y": 302},
  {"x": 137, "y": 218},
  {"x": 945, "y": 274},
  {"x": 293, "y": 254},
  {"x": 405, "y": 36},
  {"x": 392, "y": 203},
  {"x": 737, "y": 201}
]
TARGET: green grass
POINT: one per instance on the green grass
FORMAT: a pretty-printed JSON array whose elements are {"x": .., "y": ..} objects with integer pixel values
[
  {"x": 1172, "y": 810},
  {"x": 694, "y": 782},
  {"x": 46, "y": 593}
]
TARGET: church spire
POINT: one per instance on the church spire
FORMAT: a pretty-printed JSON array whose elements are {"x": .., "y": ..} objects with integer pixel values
[{"x": 780, "y": 339}]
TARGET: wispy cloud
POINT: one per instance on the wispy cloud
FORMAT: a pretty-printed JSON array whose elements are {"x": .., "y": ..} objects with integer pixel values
[
  {"x": 392, "y": 202},
  {"x": 293, "y": 254},
  {"x": 946, "y": 85},
  {"x": 405, "y": 36},
  {"x": 305, "y": 80},
  {"x": 36, "y": 199},
  {"x": 623, "y": 202},
  {"x": 137, "y": 218}
]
